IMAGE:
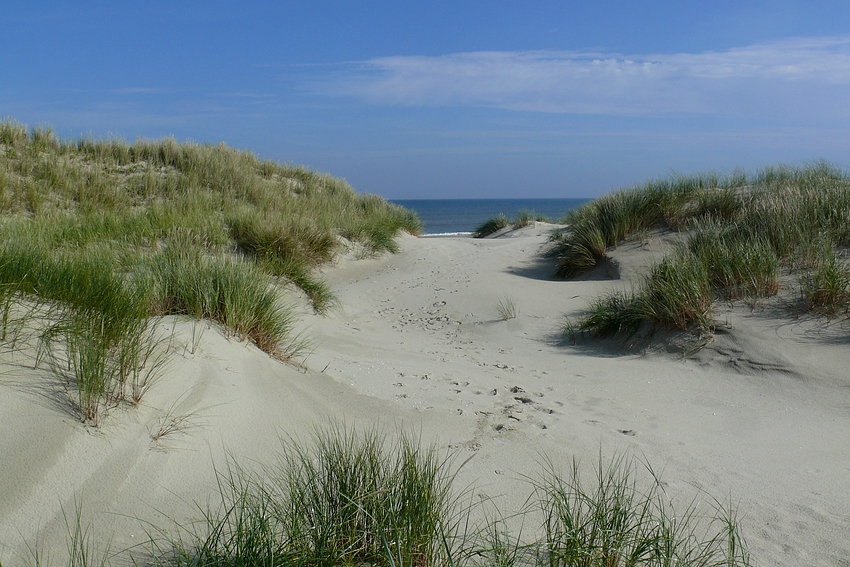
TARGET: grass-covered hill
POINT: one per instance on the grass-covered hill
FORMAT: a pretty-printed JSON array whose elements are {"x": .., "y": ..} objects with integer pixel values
[
  {"x": 743, "y": 237},
  {"x": 99, "y": 237}
]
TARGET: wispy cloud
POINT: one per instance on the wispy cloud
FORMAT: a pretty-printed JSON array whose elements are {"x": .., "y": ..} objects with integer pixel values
[{"x": 794, "y": 75}]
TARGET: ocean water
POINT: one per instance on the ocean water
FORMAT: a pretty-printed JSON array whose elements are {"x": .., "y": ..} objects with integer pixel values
[{"x": 459, "y": 216}]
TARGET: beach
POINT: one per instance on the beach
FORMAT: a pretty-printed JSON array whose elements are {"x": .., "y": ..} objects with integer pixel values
[{"x": 759, "y": 417}]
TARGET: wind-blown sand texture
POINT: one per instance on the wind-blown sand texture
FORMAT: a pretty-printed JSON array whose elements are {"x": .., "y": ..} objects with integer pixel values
[{"x": 761, "y": 416}]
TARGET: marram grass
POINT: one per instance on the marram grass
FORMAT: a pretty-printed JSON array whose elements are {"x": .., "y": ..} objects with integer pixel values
[
  {"x": 524, "y": 218},
  {"x": 349, "y": 497},
  {"x": 741, "y": 232},
  {"x": 100, "y": 237},
  {"x": 492, "y": 225}
]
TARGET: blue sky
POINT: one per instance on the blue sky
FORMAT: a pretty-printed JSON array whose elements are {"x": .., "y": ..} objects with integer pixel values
[{"x": 447, "y": 99}]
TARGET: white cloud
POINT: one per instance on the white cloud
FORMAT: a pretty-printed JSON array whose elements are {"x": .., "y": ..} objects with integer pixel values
[{"x": 786, "y": 76}]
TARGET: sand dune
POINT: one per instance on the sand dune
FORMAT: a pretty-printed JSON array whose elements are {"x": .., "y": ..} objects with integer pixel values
[{"x": 760, "y": 416}]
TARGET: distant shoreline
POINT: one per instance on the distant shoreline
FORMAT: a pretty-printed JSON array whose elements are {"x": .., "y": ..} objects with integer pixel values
[{"x": 459, "y": 216}]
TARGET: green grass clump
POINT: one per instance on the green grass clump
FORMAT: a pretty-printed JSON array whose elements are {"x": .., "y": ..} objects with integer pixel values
[
  {"x": 523, "y": 219},
  {"x": 608, "y": 220},
  {"x": 95, "y": 325},
  {"x": 526, "y": 217},
  {"x": 346, "y": 498},
  {"x": 617, "y": 521},
  {"x": 100, "y": 237},
  {"x": 826, "y": 287},
  {"x": 232, "y": 291},
  {"x": 740, "y": 264},
  {"x": 741, "y": 232},
  {"x": 675, "y": 294},
  {"x": 507, "y": 308},
  {"x": 491, "y": 225},
  {"x": 360, "y": 498}
]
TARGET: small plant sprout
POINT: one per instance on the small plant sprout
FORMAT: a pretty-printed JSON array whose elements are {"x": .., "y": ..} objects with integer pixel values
[
  {"x": 569, "y": 330},
  {"x": 199, "y": 327},
  {"x": 173, "y": 420},
  {"x": 507, "y": 308}
]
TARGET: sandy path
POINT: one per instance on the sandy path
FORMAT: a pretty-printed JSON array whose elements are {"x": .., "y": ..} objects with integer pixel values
[{"x": 761, "y": 416}]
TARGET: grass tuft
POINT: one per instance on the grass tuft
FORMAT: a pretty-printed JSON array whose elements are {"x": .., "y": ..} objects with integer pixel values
[
  {"x": 507, "y": 309},
  {"x": 343, "y": 499},
  {"x": 491, "y": 226},
  {"x": 741, "y": 231},
  {"x": 826, "y": 287},
  {"x": 617, "y": 520},
  {"x": 524, "y": 218}
]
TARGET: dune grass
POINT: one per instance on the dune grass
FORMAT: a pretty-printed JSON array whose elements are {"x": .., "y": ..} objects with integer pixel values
[
  {"x": 507, "y": 308},
  {"x": 740, "y": 233},
  {"x": 491, "y": 225},
  {"x": 100, "y": 237},
  {"x": 349, "y": 497},
  {"x": 618, "y": 519},
  {"x": 608, "y": 220},
  {"x": 344, "y": 498},
  {"x": 496, "y": 223},
  {"x": 83, "y": 550}
]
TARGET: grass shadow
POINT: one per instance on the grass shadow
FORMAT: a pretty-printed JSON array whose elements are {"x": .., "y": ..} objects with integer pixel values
[{"x": 46, "y": 389}]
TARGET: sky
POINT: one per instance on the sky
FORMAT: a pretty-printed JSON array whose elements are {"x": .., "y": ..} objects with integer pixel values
[{"x": 476, "y": 99}]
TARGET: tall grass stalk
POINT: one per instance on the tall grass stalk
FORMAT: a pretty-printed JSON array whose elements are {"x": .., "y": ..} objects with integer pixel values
[{"x": 80, "y": 541}]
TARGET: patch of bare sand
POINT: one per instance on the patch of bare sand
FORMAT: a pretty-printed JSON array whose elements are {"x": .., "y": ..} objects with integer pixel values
[{"x": 760, "y": 416}]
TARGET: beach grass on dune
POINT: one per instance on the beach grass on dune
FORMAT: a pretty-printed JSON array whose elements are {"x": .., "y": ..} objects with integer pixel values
[
  {"x": 740, "y": 233},
  {"x": 524, "y": 218},
  {"x": 491, "y": 225},
  {"x": 620, "y": 519},
  {"x": 354, "y": 497},
  {"x": 507, "y": 308},
  {"x": 343, "y": 498},
  {"x": 100, "y": 237}
]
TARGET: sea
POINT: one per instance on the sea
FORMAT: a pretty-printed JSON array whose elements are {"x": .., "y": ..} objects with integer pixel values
[{"x": 463, "y": 216}]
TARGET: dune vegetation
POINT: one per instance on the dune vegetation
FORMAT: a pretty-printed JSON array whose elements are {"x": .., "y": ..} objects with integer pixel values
[
  {"x": 100, "y": 238},
  {"x": 740, "y": 236},
  {"x": 496, "y": 223},
  {"x": 347, "y": 497}
]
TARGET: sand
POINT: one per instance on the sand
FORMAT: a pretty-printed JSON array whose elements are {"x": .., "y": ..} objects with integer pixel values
[{"x": 760, "y": 416}]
